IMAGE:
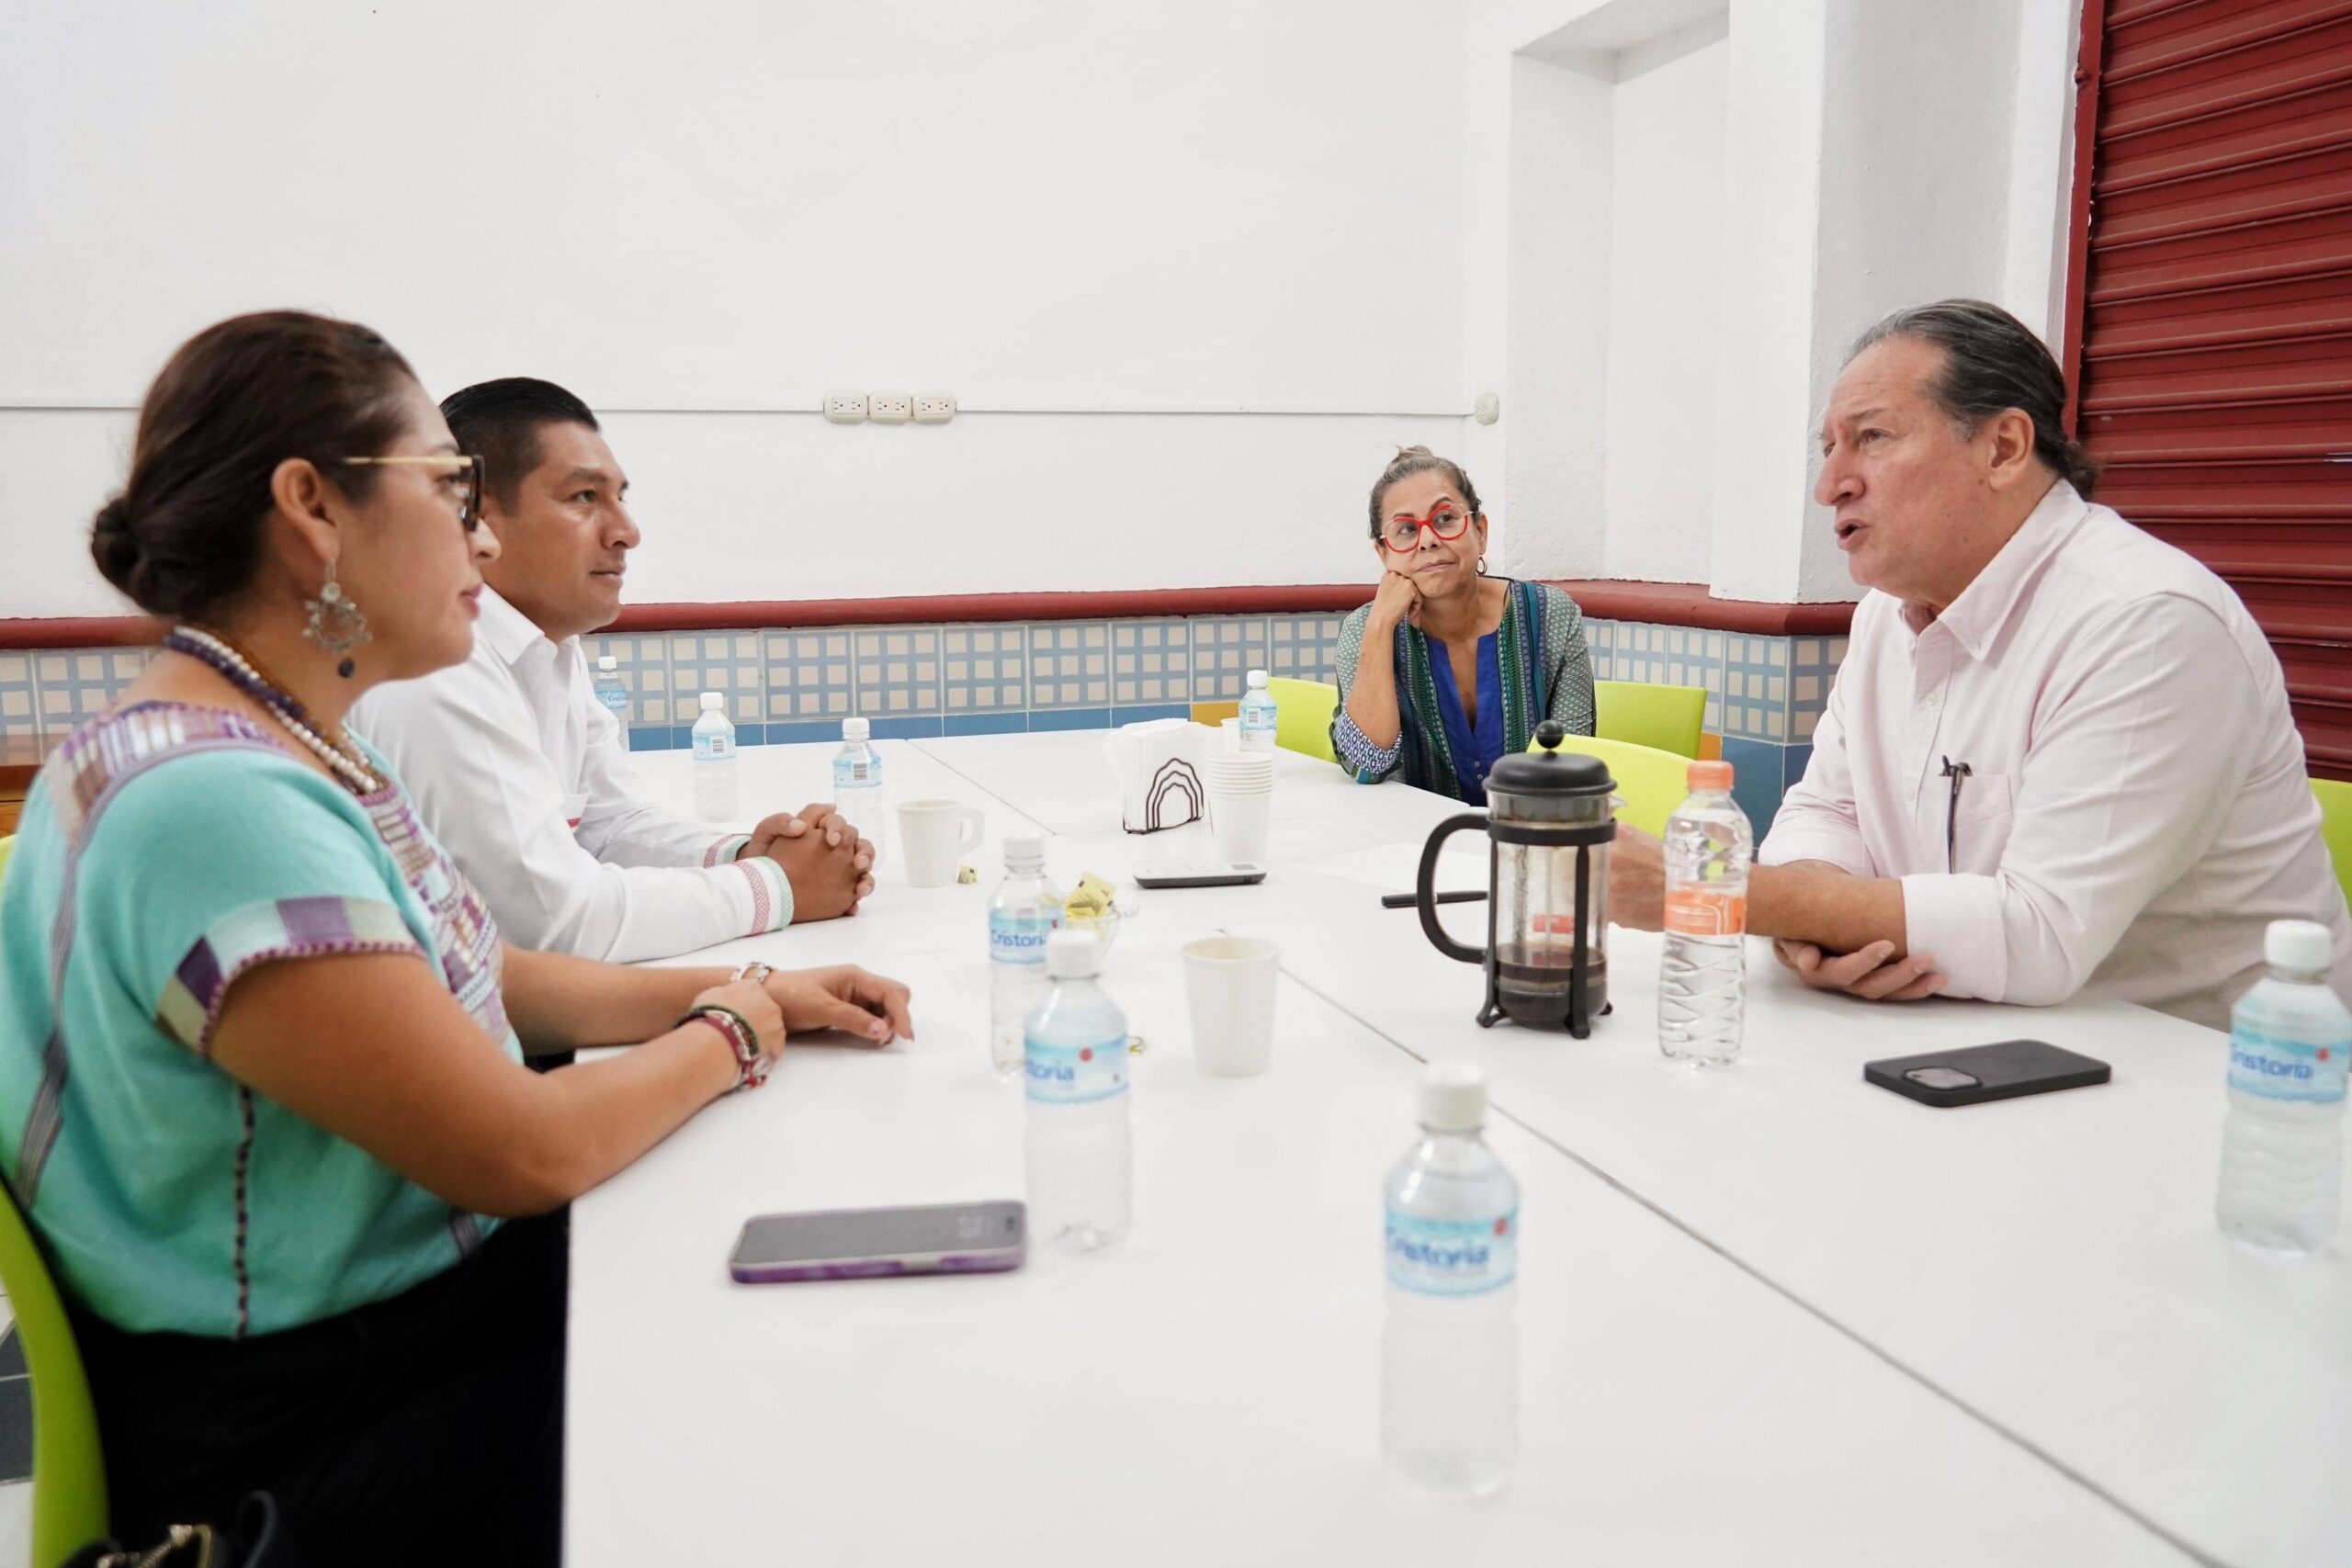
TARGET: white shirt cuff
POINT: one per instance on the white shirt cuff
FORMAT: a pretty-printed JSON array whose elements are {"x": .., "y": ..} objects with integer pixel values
[
  {"x": 1956, "y": 921},
  {"x": 769, "y": 904}
]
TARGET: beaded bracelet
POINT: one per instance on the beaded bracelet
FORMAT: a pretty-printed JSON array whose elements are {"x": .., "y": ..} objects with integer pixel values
[{"x": 751, "y": 1066}]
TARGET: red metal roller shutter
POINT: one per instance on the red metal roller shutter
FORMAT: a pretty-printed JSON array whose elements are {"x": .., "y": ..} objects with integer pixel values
[{"x": 2211, "y": 348}]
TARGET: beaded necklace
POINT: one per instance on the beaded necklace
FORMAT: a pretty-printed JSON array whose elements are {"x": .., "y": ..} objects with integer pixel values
[{"x": 245, "y": 672}]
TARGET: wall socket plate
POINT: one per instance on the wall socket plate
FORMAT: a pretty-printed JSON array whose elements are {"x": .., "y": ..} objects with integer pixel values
[
  {"x": 934, "y": 408},
  {"x": 890, "y": 408},
  {"x": 845, "y": 408}
]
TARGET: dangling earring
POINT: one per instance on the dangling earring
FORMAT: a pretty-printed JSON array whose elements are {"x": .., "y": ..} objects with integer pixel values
[
  {"x": 1482, "y": 566},
  {"x": 335, "y": 624}
]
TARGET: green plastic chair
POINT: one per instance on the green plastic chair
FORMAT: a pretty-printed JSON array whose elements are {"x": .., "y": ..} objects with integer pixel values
[
  {"x": 1665, "y": 718},
  {"x": 1303, "y": 714},
  {"x": 69, "y": 1475},
  {"x": 1653, "y": 781},
  {"x": 2336, "y": 826}
]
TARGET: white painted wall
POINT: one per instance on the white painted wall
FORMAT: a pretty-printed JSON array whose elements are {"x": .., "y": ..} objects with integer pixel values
[
  {"x": 718, "y": 212},
  {"x": 1875, "y": 153},
  {"x": 1665, "y": 307},
  {"x": 1549, "y": 515},
  {"x": 2041, "y": 165},
  {"x": 1263, "y": 243},
  {"x": 1615, "y": 198},
  {"x": 1761, "y": 520}
]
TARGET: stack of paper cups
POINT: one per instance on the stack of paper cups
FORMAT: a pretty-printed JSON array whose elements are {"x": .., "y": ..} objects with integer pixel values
[{"x": 1241, "y": 798}]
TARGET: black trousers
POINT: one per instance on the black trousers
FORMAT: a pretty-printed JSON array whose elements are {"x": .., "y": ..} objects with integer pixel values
[{"x": 426, "y": 1428}]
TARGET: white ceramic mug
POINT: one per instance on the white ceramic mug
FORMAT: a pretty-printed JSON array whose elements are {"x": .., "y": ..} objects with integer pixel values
[
  {"x": 1229, "y": 981},
  {"x": 932, "y": 836}
]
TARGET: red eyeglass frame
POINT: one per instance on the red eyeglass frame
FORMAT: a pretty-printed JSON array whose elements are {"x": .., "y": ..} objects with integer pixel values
[{"x": 1430, "y": 522}]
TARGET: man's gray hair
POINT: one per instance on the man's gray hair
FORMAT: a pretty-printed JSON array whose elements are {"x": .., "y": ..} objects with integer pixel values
[{"x": 1992, "y": 363}]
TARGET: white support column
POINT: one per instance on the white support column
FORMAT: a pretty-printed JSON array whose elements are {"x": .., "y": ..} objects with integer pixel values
[{"x": 1771, "y": 229}]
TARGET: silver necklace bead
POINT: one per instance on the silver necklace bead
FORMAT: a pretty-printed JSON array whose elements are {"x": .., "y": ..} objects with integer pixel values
[{"x": 353, "y": 772}]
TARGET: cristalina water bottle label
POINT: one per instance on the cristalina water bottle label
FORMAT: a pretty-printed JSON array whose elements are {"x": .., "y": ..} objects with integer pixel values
[
  {"x": 1451, "y": 1257},
  {"x": 1015, "y": 937},
  {"x": 2286, "y": 1069},
  {"x": 1074, "y": 1074},
  {"x": 1706, "y": 911},
  {"x": 715, "y": 745}
]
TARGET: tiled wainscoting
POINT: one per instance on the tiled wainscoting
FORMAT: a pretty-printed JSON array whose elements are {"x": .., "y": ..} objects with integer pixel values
[
  {"x": 1765, "y": 694},
  {"x": 784, "y": 684}
]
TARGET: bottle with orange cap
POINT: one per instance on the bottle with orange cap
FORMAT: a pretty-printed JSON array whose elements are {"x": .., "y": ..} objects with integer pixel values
[{"x": 1702, "y": 979}]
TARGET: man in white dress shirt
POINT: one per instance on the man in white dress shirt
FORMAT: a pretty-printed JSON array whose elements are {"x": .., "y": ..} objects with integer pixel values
[
  {"x": 523, "y": 774},
  {"x": 2059, "y": 753}
]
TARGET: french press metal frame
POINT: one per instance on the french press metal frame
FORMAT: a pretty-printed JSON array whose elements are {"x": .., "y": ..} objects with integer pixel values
[{"x": 1542, "y": 835}]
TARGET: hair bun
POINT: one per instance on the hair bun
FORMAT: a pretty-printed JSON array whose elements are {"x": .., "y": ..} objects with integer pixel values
[{"x": 116, "y": 548}]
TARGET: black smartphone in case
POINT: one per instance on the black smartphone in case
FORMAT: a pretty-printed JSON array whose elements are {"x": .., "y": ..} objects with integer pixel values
[
  {"x": 1240, "y": 874},
  {"x": 1987, "y": 1072}
]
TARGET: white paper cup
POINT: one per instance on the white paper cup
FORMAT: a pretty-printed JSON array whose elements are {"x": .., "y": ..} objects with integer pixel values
[
  {"x": 1228, "y": 737},
  {"x": 1241, "y": 774},
  {"x": 1229, "y": 981},
  {"x": 932, "y": 836},
  {"x": 1237, "y": 825}
]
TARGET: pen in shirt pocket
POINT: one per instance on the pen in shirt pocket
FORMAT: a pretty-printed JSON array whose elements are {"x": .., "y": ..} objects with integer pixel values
[{"x": 1956, "y": 772}]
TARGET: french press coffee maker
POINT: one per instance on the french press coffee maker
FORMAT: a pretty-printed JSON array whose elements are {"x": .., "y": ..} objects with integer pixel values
[{"x": 1549, "y": 820}]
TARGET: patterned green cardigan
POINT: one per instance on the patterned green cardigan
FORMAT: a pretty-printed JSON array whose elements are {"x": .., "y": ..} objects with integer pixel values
[{"x": 1547, "y": 671}]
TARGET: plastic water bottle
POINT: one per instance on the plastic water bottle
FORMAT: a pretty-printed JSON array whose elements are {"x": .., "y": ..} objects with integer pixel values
[
  {"x": 715, "y": 792},
  {"x": 1023, "y": 913},
  {"x": 1449, "y": 1408},
  {"x": 1258, "y": 717},
  {"x": 1080, "y": 1149},
  {"x": 2282, "y": 1142},
  {"x": 857, "y": 784},
  {"x": 1702, "y": 980},
  {"x": 613, "y": 692}
]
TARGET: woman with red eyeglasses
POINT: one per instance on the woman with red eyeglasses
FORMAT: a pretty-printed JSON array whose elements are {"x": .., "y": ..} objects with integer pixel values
[{"x": 1475, "y": 663}]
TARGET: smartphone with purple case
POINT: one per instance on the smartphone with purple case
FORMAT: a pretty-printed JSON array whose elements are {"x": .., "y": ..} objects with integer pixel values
[{"x": 866, "y": 1244}]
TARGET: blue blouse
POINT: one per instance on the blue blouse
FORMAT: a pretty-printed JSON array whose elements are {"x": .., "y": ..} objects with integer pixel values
[{"x": 1476, "y": 750}]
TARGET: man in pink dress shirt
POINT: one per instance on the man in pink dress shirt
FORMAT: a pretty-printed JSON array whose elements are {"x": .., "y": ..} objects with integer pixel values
[{"x": 2058, "y": 755}]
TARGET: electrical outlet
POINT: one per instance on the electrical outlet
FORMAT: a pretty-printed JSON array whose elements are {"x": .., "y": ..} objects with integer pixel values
[
  {"x": 845, "y": 408},
  {"x": 934, "y": 408},
  {"x": 890, "y": 408}
]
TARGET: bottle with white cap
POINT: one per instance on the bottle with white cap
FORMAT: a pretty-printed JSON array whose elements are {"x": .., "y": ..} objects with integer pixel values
[
  {"x": 1450, "y": 1358},
  {"x": 2282, "y": 1142},
  {"x": 1080, "y": 1148},
  {"x": 857, "y": 784},
  {"x": 1025, "y": 911},
  {"x": 1260, "y": 717},
  {"x": 613, "y": 692},
  {"x": 714, "y": 794}
]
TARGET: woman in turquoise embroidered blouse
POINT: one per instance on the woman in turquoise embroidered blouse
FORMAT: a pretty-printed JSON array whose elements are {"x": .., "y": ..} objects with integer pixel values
[
  {"x": 262, "y": 1095},
  {"x": 1473, "y": 663}
]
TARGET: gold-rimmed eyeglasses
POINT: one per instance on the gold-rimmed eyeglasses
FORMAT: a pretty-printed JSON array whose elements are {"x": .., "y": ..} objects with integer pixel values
[{"x": 463, "y": 472}]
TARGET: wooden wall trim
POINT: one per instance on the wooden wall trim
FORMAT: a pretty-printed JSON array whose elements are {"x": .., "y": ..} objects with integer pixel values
[{"x": 1669, "y": 604}]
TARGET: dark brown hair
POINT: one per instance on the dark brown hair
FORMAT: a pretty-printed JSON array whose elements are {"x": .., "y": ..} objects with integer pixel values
[
  {"x": 1410, "y": 460},
  {"x": 185, "y": 537},
  {"x": 1993, "y": 362},
  {"x": 500, "y": 421}
]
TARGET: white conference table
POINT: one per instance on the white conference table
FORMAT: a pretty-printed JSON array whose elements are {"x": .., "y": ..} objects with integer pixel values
[{"x": 1767, "y": 1314}]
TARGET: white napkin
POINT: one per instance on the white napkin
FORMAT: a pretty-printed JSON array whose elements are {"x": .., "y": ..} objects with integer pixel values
[{"x": 1158, "y": 764}]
